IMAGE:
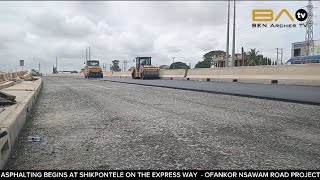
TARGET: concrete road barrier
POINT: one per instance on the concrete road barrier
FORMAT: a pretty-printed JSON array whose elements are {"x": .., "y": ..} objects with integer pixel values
[
  {"x": 2, "y": 78},
  {"x": 173, "y": 74},
  {"x": 13, "y": 118},
  {"x": 107, "y": 74},
  {"x": 9, "y": 76},
  {"x": 6, "y": 77},
  {"x": 125, "y": 74},
  {"x": 15, "y": 76},
  {"x": 65, "y": 75},
  {"x": 299, "y": 74},
  {"x": 20, "y": 74},
  {"x": 164, "y": 74}
]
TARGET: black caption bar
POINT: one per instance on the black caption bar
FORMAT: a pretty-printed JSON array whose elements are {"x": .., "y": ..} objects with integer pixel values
[{"x": 154, "y": 174}]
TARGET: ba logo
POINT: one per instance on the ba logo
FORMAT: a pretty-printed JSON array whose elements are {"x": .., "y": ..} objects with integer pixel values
[{"x": 268, "y": 15}]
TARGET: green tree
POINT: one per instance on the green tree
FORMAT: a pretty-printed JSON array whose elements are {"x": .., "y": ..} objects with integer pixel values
[
  {"x": 208, "y": 56},
  {"x": 274, "y": 63},
  {"x": 34, "y": 72},
  {"x": 179, "y": 65},
  {"x": 268, "y": 60},
  {"x": 203, "y": 64},
  {"x": 254, "y": 58},
  {"x": 115, "y": 65}
]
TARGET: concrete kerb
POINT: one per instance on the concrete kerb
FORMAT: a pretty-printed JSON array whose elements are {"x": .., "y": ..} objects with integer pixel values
[
  {"x": 13, "y": 120},
  {"x": 6, "y": 84}
]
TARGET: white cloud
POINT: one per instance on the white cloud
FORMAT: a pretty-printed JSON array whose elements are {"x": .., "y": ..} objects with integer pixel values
[{"x": 40, "y": 31}]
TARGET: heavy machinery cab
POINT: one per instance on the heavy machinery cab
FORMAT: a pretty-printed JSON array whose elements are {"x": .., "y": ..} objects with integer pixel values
[
  {"x": 142, "y": 61},
  {"x": 93, "y": 63}
]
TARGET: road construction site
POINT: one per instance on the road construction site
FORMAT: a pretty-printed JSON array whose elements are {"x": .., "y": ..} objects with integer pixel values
[{"x": 98, "y": 124}]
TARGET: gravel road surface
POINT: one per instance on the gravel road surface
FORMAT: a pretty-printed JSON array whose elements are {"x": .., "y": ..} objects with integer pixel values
[{"x": 89, "y": 124}]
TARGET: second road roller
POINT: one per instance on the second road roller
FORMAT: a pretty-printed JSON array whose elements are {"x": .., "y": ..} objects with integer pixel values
[{"x": 144, "y": 69}]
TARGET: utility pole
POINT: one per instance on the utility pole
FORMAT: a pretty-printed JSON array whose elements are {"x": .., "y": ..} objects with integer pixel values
[
  {"x": 279, "y": 52},
  {"x": 309, "y": 45},
  {"x": 104, "y": 66},
  {"x": 125, "y": 62},
  {"x": 228, "y": 29},
  {"x": 242, "y": 54},
  {"x": 234, "y": 33},
  {"x": 281, "y": 56},
  {"x": 89, "y": 54},
  {"x": 39, "y": 67},
  {"x": 56, "y": 63},
  {"x": 86, "y": 54},
  {"x": 173, "y": 62}
]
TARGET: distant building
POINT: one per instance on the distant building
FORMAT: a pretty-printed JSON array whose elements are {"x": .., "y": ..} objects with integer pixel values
[
  {"x": 240, "y": 59},
  {"x": 298, "y": 48},
  {"x": 219, "y": 60}
]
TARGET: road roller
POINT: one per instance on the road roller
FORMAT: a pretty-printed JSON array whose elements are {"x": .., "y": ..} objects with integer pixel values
[{"x": 144, "y": 69}]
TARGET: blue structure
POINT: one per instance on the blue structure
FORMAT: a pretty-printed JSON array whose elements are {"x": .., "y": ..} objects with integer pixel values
[{"x": 304, "y": 59}]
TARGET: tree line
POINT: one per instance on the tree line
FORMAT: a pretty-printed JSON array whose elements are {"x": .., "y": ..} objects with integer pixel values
[{"x": 254, "y": 58}]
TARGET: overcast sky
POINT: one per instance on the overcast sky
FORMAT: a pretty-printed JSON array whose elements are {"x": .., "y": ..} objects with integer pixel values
[{"x": 40, "y": 31}]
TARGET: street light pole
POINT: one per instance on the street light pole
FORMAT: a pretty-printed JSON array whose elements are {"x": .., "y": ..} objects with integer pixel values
[
  {"x": 228, "y": 29},
  {"x": 173, "y": 62},
  {"x": 234, "y": 34}
]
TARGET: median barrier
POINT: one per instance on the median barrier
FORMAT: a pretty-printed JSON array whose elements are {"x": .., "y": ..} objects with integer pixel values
[
  {"x": 14, "y": 117},
  {"x": 299, "y": 74},
  {"x": 107, "y": 74},
  {"x": 72, "y": 74},
  {"x": 173, "y": 73},
  {"x": 121, "y": 74},
  {"x": 67, "y": 75}
]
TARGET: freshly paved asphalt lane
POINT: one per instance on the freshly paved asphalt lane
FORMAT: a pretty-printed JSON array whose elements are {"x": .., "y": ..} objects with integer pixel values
[
  {"x": 90, "y": 124},
  {"x": 291, "y": 93}
]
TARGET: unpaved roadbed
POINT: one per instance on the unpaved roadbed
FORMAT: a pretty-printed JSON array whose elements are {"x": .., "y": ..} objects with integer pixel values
[{"x": 89, "y": 124}]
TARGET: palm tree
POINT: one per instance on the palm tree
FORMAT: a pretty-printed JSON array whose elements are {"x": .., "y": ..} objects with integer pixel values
[{"x": 253, "y": 58}]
